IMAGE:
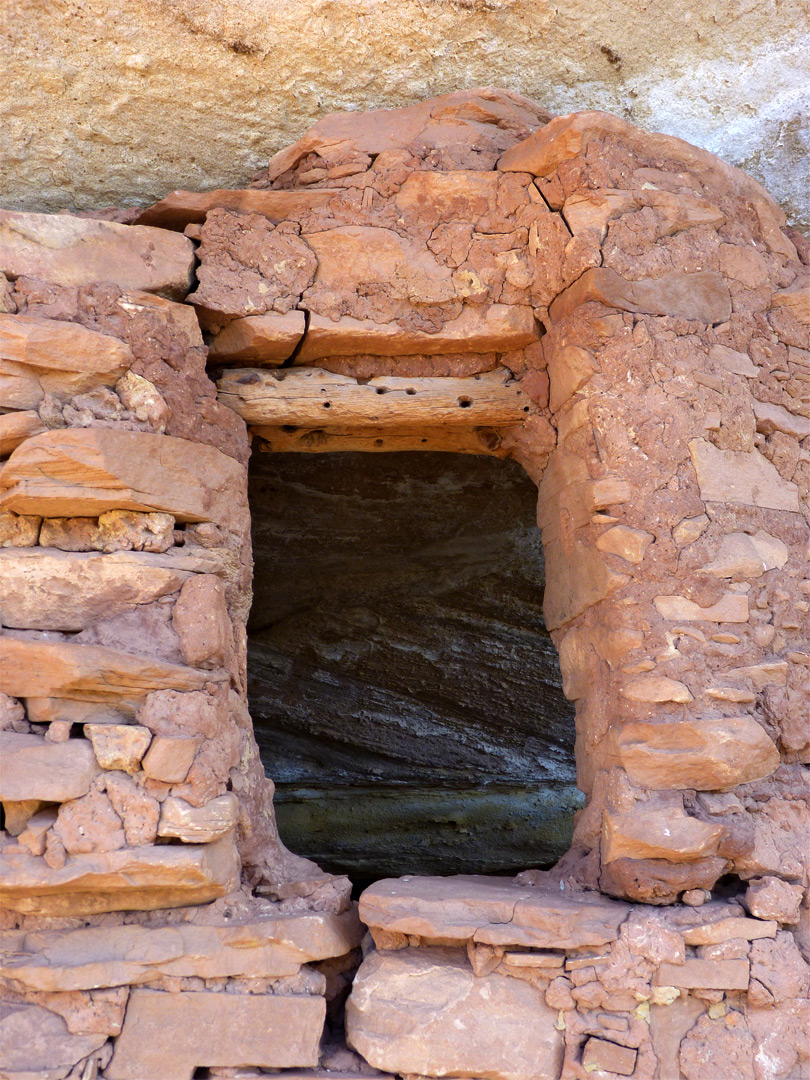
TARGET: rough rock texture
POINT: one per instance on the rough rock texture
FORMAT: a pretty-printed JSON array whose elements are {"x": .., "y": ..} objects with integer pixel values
[
  {"x": 105, "y": 117},
  {"x": 423, "y": 1011}
]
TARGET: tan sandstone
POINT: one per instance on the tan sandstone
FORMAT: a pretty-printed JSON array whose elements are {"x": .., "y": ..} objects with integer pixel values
[
  {"x": 75, "y": 251},
  {"x": 31, "y": 768},
  {"x": 423, "y": 1011}
]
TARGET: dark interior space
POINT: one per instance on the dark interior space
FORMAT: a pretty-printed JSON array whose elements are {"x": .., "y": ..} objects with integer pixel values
[{"x": 405, "y": 693}]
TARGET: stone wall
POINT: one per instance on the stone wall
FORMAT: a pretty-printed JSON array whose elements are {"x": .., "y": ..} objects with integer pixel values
[{"x": 625, "y": 316}]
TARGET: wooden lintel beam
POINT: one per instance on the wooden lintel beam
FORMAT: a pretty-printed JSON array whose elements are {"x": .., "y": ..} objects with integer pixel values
[
  {"x": 313, "y": 398},
  {"x": 456, "y": 440}
]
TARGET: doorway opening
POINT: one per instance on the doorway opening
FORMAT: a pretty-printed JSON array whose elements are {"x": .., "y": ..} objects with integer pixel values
[{"x": 405, "y": 693}]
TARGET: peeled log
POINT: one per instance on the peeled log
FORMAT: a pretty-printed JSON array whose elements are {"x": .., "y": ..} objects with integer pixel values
[{"x": 308, "y": 397}]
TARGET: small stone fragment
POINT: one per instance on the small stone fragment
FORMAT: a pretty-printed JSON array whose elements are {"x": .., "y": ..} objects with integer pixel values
[
  {"x": 119, "y": 746},
  {"x": 773, "y": 898},
  {"x": 601, "y": 1055},
  {"x": 33, "y": 836},
  {"x": 629, "y": 544},
  {"x": 688, "y": 530},
  {"x": 198, "y": 825},
  {"x": 746, "y": 556},
  {"x": 18, "y": 530},
  {"x": 170, "y": 757},
  {"x": 655, "y": 688},
  {"x": 695, "y": 973}
]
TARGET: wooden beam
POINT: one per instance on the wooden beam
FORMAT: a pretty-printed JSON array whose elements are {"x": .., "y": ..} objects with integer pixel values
[
  {"x": 455, "y": 440},
  {"x": 313, "y": 398}
]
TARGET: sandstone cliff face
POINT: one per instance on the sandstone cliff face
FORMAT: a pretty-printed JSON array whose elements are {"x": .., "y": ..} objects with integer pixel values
[{"x": 119, "y": 106}]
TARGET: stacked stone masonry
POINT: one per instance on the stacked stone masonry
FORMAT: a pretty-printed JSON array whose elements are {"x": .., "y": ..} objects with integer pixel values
[{"x": 628, "y": 318}]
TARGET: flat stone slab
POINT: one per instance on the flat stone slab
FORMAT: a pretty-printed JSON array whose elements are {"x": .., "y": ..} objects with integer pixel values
[
  {"x": 126, "y": 880},
  {"x": 31, "y": 768},
  {"x": 423, "y": 1011},
  {"x": 167, "y": 1036},
  {"x": 69, "y": 250},
  {"x": 92, "y": 957},
  {"x": 82, "y": 472},
  {"x": 48, "y": 589},
  {"x": 58, "y": 669},
  {"x": 492, "y": 911},
  {"x": 36, "y": 1043}
]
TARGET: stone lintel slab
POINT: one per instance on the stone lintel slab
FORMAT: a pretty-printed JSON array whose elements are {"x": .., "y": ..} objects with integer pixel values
[
  {"x": 93, "y": 957},
  {"x": 491, "y": 910},
  {"x": 144, "y": 878},
  {"x": 167, "y": 1036}
]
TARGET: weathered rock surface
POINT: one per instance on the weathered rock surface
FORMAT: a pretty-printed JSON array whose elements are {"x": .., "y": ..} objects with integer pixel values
[
  {"x": 490, "y": 910},
  {"x": 198, "y": 824},
  {"x": 262, "y": 947},
  {"x": 170, "y": 1035},
  {"x": 142, "y": 878},
  {"x": 88, "y": 672},
  {"x": 703, "y": 297},
  {"x": 48, "y": 589},
  {"x": 78, "y": 472},
  {"x": 37, "y": 1043},
  {"x": 703, "y": 754},
  {"x": 67, "y": 250},
  {"x": 423, "y": 1011},
  {"x": 31, "y": 768}
]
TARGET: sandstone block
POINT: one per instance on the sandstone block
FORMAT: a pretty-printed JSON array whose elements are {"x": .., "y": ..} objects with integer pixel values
[
  {"x": 114, "y": 530},
  {"x": 47, "y": 589},
  {"x": 654, "y": 831},
  {"x": 125, "y": 880},
  {"x": 171, "y": 1035},
  {"x": 423, "y": 1011},
  {"x": 697, "y": 974},
  {"x": 18, "y": 530},
  {"x": 37, "y": 1044},
  {"x": 655, "y": 688},
  {"x": 702, "y": 297},
  {"x": 17, "y": 813},
  {"x": 84, "y": 472},
  {"x": 31, "y": 768},
  {"x": 16, "y": 427},
  {"x": 262, "y": 339},
  {"x": 490, "y": 910},
  {"x": 41, "y": 669},
  {"x": 773, "y": 898},
  {"x": 49, "y": 710},
  {"x": 69, "y": 250},
  {"x": 89, "y": 825},
  {"x": 600, "y": 1055},
  {"x": 731, "y": 607},
  {"x": 478, "y": 329},
  {"x": 688, "y": 530},
  {"x": 747, "y": 556},
  {"x": 33, "y": 835},
  {"x": 269, "y": 946},
  {"x": 119, "y": 746},
  {"x": 198, "y": 824},
  {"x": 575, "y": 581},
  {"x": 656, "y": 881},
  {"x": 64, "y": 358},
  {"x": 200, "y": 620},
  {"x": 771, "y": 418},
  {"x": 738, "y": 363},
  {"x": 169, "y": 758},
  {"x": 728, "y": 929},
  {"x": 706, "y": 754},
  {"x": 569, "y": 368},
  {"x": 629, "y": 544},
  {"x": 736, "y": 476}
]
